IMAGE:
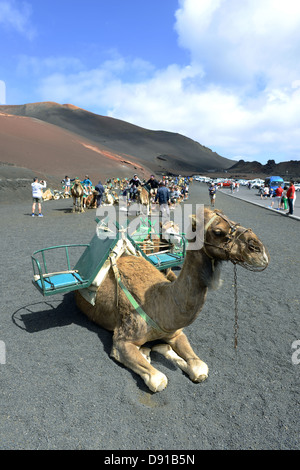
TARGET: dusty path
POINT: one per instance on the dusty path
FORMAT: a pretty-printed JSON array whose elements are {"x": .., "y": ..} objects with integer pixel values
[{"x": 61, "y": 390}]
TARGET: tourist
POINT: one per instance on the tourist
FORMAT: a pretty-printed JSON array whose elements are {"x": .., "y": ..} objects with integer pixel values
[
  {"x": 212, "y": 194},
  {"x": 100, "y": 190},
  {"x": 37, "y": 195},
  {"x": 278, "y": 197},
  {"x": 67, "y": 184},
  {"x": 87, "y": 184},
  {"x": 153, "y": 183},
  {"x": 284, "y": 200},
  {"x": 265, "y": 192},
  {"x": 291, "y": 196},
  {"x": 135, "y": 182},
  {"x": 163, "y": 197}
]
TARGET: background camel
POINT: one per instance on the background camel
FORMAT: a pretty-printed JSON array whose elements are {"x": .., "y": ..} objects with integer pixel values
[
  {"x": 170, "y": 305},
  {"x": 77, "y": 194}
]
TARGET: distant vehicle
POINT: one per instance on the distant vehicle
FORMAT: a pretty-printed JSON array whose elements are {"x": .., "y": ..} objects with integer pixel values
[
  {"x": 273, "y": 182},
  {"x": 297, "y": 186},
  {"x": 256, "y": 183},
  {"x": 224, "y": 183}
]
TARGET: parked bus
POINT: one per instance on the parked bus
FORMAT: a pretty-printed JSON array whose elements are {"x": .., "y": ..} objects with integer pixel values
[{"x": 273, "y": 182}]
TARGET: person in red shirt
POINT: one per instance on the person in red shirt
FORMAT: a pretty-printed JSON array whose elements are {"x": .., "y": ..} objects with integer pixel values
[
  {"x": 291, "y": 196},
  {"x": 278, "y": 196}
]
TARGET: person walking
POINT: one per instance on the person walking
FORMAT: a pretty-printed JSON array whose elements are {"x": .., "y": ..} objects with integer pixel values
[
  {"x": 212, "y": 194},
  {"x": 100, "y": 190},
  {"x": 163, "y": 197},
  {"x": 37, "y": 195},
  {"x": 291, "y": 196}
]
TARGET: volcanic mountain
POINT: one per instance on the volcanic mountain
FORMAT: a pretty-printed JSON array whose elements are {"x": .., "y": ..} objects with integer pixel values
[{"x": 59, "y": 140}]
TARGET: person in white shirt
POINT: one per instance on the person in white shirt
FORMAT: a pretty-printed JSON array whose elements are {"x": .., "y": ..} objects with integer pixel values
[{"x": 37, "y": 196}]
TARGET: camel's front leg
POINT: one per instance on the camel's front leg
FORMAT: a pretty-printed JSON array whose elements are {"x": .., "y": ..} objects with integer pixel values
[
  {"x": 81, "y": 205},
  {"x": 180, "y": 351},
  {"x": 129, "y": 355}
]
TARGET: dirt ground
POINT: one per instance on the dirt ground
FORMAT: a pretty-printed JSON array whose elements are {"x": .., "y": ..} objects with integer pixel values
[{"x": 61, "y": 390}]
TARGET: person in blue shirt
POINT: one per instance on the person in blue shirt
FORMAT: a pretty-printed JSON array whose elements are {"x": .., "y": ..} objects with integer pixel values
[
  {"x": 163, "y": 197},
  {"x": 88, "y": 184}
]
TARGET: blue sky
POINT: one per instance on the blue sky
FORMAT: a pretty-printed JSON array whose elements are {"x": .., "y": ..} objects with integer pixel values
[{"x": 225, "y": 73}]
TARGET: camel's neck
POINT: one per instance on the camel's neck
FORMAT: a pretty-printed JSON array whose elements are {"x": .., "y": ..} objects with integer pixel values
[{"x": 189, "y": 291}]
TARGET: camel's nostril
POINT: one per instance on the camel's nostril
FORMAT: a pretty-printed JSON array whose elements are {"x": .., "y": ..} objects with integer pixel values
[{"x": 254, "y": 247}]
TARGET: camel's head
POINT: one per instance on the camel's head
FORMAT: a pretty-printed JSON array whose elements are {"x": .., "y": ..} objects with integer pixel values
[
  {"x": 170, "y": 232},
  {"x": 227, "y": 240}
]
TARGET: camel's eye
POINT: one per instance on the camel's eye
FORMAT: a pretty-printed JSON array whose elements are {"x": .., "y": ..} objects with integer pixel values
[{"x": 219, "y": 233}]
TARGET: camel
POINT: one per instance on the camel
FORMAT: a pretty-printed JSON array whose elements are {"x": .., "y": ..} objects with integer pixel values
[
  {"x": 91, "y": 200},
  {"x": 168, "y": 307},
  {"x": 47, "y": 195},
  {"x": 77, "y": 194},
  {"x": 143, "y": 198}
]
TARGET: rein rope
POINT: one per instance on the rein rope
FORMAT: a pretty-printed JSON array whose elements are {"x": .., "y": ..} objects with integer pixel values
[{"x": 227, "y": 247}]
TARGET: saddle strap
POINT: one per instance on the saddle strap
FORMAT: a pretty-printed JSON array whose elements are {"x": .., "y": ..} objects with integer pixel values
[{"x": 132, "y": 300}]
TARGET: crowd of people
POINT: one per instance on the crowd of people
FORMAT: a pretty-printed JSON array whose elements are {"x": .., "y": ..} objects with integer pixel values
[
  {"x": 165, "y": 192},
  {"x": 285, "y": 197}
]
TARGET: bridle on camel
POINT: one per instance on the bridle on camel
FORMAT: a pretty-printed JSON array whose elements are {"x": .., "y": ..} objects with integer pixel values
[
  {"x": 227, "y": 247},
  {"x": 231, "y": 239}
]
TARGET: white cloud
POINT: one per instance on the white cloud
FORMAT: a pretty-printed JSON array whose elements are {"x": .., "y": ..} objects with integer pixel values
[
  {"x": 15, "y": 16},
  {"x": 244, "y": 42},
  {"x": 240, "y": 94}
]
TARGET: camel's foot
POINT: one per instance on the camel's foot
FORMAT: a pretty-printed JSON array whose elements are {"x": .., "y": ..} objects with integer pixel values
[
  {"x": 138, "y": 360},
  {"x": 196, "y": 369},
  {"x": 156, "y": 382}
]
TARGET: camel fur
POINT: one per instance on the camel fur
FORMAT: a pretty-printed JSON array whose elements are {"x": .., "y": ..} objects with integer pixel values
[{"x": 172, "y": 305}]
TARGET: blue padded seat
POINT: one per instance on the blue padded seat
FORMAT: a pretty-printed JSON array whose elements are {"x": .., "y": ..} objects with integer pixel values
[
  {"x": 60, "y": 280},
  {"x": 162, "y": 258}
]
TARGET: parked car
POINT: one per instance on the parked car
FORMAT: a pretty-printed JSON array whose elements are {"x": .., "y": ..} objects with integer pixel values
[
  {"x": 297, "y": 186},
  {"x": 224, "y": 183}
]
